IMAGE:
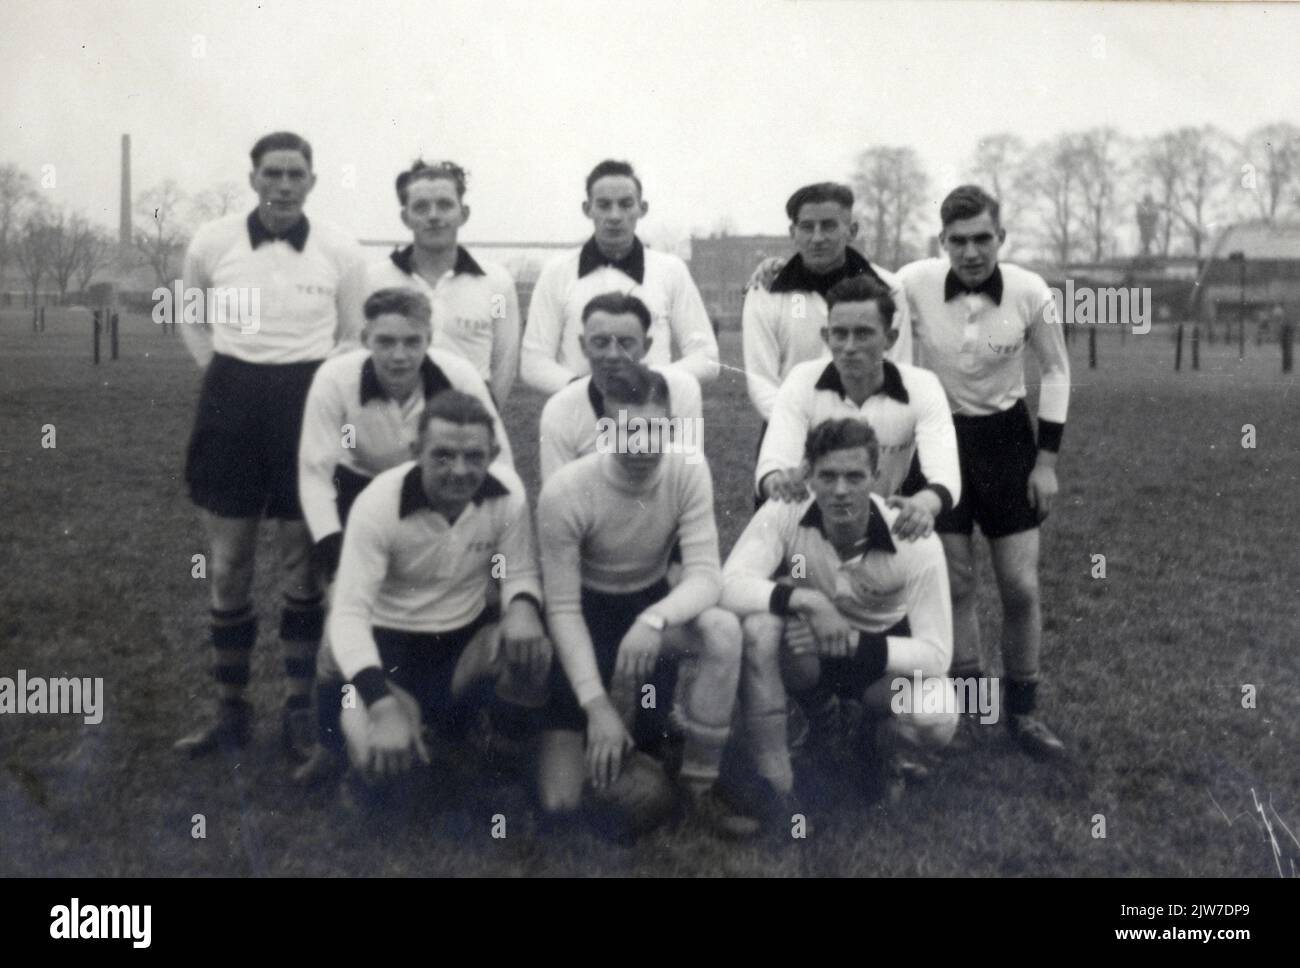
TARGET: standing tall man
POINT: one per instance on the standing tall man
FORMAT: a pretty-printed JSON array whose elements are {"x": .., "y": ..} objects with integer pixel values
[
  {"x": 614, "y": 260},
  {"x": 973, "y": 320},
  {"x": 475, "y": 306},
  {"x": 305, "y": 283},
  {"x": 785, "y": 307}
]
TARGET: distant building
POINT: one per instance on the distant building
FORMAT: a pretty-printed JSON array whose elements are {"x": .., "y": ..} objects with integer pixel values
[{"x": 1271, "y": 272}]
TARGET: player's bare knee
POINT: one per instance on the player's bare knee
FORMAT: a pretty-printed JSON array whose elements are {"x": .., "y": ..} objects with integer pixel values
[
  {"x": 1019, "y": 593},
  {"x": 761, "y": 636},
  {"x": 720, "y": 632}
]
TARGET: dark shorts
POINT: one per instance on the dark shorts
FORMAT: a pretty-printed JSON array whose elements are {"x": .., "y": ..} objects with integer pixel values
[
  {"x": 348, "y": 485},
  {"x": 997, "y": 454},
  {"x": 242, "y": 460},
  {"x": 847, "y": 677},
  {"x": 423, "y": 663},
  {"x": 608, "y": 619}
]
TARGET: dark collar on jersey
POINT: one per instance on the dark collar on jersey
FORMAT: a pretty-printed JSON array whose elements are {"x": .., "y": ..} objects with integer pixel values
[
  {"x": 991, "y": 287},
  {"x": 596, "y": 397},
  {"x": 797, "y": 277},
  {"x": 431, "y": 375},
  {"x": 877, "y": 538},
  {"x": 414, "y": 499},
  {"x": 295, "y": 235},
  {"x": 632, "y": 265},
  {"x": 404, "y": 259},
  {"x": 891, "y": 387}
]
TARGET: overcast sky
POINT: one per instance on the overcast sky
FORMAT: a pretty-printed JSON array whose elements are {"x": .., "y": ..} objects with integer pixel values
[{"x": 724, "y": 107}]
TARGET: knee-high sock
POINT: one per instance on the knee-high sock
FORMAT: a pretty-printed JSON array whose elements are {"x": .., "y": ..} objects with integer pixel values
[
  {"x": 232, "y": 633},
  {"x": 301, "y": 623}
]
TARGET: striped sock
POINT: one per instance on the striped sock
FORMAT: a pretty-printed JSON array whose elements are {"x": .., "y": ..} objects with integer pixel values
[
  {"x": 301, "y": 623},
  {"x": 232, "y": 633}
]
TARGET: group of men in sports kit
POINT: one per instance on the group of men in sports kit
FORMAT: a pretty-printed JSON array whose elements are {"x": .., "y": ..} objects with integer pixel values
[{"x": 362, "y": 413}]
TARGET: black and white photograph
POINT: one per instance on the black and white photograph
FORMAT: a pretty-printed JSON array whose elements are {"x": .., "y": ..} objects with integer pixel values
[{"x": 683, "y": 439}]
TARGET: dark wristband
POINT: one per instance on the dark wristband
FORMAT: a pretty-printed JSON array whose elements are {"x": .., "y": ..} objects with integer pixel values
[
  {"x": 528, "y": 597},
  {"x": 779, "y": 603},
  {"x": 1049, "y": 435},
  {"x": 372, "y": 685}
]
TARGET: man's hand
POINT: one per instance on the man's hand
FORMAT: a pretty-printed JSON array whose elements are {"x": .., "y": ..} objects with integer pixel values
[
  {"x": 835, "y": 637},
  {"x": 787, "y": 485},
  {"x": 393, "y": 738},
  {"x": 608, "y": 742},
  {"x": 766, "y": 272},
  {"x": 523, "y": 639},
  {"x": 637, "y": 655},
  {"x": 1042, "y": 488},
  {"x": 916, "y": 514}
]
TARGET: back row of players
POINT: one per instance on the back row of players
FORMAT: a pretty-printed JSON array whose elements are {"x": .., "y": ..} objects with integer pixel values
[{"x": 312, "y": 415}]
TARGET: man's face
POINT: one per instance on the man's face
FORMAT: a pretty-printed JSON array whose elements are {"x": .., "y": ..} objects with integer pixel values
[
  {"x": 972, "y": 245},
  {"x": 612, "y": 341},
  {"x": 644, "y": 426},
  {"x": 434, "y": 213},
  {"x": 454, "y": 460},
  {"x": 841, "y": 483},
  {"x": 614, "y": 206},
  {"x": 282, "y": 180},
  {"x": 858, "y": 338},
  {"x": 821, "y": 233},
  {"x": 397, "y": 345}
]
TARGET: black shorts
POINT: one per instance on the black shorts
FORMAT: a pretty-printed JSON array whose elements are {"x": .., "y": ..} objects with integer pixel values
[
  {"x": 997, "y": 454},
  {"x": 423, "y": 663},
  {"x": 348, "y": 485},
  {"x": 242, "y": 460},
  {"x": 608, "y": 619},
  {"x": 847, "y": 677}
]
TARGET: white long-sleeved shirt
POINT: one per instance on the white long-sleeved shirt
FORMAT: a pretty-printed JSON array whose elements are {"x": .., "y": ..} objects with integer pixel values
[
  {"x": 599, "y": 531},
  {"x": 569, "y": 420},
  {"x": 909, "y": 414},
  {"x": 404, "y": 567},
  {"x": 976, "y": 345},
  {"x": 873, "y": 589},
  {"x": 274, "y": 303},
  {"x": 475, "y": 312},
  {"x": 781, "y": 324},
  {"x": 349, "y": 421},
  {"x": 679, "y": 323}
]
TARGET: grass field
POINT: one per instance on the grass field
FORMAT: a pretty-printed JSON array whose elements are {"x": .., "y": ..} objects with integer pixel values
[{"x": 1143, "y": 669}]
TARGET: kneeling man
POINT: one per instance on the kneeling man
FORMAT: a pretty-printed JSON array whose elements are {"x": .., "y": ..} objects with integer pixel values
[
  {"x": 410, "y": 625},
  {"x": 878, "y": 611}
]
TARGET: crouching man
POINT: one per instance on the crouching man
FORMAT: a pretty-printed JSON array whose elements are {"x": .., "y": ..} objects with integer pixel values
[
  {"x": 876, "y": 610},
  {"x": 410, "y": 626},
  {"x": 607, "y": 523}
]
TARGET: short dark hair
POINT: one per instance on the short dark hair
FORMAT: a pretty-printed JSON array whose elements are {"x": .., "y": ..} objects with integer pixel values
[
  {"x": 411, "y": 303},
  {"x": 863, "y": 288},
  {"x": 457, "y": 407},
  {"x": 608, "y": 168},
  {"x": 817, "y": 193},
  {"x": 421, "y": 170},
  {"x": 637, "y": 385},
  {"x": 280, "y": 141},
  {"x": 617, "y": 303},
  {"x": 843, "y": 433},
  {"x": 967, "y": 201}
]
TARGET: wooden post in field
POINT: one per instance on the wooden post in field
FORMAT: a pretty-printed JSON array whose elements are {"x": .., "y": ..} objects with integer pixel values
[
  {"x": 36, "y": 327},
  {"x": 1092, "y": 347},
  {"x": 1241, "y": 340},
  {"x": 95, "y": 327},
  {"x": 42, "y": 319},
  {"x": 1286, "y": 337},
  {"x": 1178, "y": 349},
  {"x": 1196, "y": 347},
  {"x": 112, "y": 336}
]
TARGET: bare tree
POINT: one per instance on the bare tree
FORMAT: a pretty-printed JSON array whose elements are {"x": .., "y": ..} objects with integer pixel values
[
  {"x": 994, "y": 165},
  {"x": 1101, "y": 164},
  {"x": 1272, "y": 156},
  {"x": 1190, "y": 168},
  {"x": 1161, "y": 162},
  {"x": 95, "y": 252},
  {"x": 892, "y": 185},
  {"x": 1051, "y": 178},
  {"x": 221, "y": 199},
  {"x": 33, "y": 250},
  {"x": 162, "y": 238},
  {"x": 15, "y": 191},
  {"x": 63, "y": 245}
]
